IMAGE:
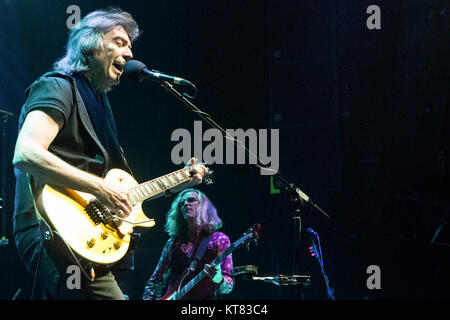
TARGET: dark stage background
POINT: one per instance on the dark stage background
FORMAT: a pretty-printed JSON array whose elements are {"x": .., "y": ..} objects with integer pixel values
[{"x": 363, "y": 127}]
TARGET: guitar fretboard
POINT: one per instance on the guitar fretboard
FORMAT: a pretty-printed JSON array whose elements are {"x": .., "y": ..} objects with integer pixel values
[{"x": 159, "y": 185}]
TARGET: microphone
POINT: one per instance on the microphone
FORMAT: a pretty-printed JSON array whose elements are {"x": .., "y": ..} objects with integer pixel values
[
  {"x": 138, "y": 71},
  {"x": 308, "y": 200},
  {"x": 313, "y": 246},
  {"x": 316, "y": 252},
  {"x": 311, "y": 231}
]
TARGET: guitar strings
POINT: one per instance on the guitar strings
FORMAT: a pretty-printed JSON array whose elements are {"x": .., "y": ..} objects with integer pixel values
[{"x": 133, "y": 223}]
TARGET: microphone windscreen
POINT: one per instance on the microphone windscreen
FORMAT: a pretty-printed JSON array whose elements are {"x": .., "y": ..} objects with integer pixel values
[{"x": 133, "y": 68}]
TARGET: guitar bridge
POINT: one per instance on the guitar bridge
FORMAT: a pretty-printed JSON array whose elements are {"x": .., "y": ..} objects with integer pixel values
[{"x": 97, "y": 212}]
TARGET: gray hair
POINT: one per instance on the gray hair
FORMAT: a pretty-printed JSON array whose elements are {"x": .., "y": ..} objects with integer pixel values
[
  {"x": 85, "y": 38},
  {"x": 206, "y": 216}
]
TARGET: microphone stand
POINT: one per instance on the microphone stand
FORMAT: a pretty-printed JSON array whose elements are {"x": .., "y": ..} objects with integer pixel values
[
  {"x": 297, "y": 196},
  {"x": 5, "y": 115}
]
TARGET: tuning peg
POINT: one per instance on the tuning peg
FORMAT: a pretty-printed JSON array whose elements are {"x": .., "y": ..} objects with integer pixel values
[{"x": 208, "y": 177}]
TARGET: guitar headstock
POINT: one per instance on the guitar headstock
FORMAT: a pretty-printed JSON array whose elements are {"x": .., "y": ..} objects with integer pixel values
[
  {"x": 208, "y": 177},
  {"x": 254, "y": 230},
  {"x": 251, "y": 236}
]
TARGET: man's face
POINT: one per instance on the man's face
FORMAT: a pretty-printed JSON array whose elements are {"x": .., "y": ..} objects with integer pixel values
[
  {"x": 108, "y": 63},
  {"x": 189, "y": 204}
]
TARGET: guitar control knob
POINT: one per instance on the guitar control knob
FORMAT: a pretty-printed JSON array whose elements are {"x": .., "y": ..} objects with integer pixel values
[
  {"x": 105, "y": 234},
  {"x": 91, "y": 243},
  {"x": 117, "y": 244}
]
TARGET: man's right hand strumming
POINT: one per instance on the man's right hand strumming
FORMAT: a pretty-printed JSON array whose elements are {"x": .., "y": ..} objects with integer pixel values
[{"x": 115, "y": 197}]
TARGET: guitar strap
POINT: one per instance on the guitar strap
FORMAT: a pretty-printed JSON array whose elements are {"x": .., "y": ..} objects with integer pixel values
[{"x": 200, "y": 251}]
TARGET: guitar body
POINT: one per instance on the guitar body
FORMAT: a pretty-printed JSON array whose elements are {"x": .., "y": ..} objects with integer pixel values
[
  {"x": 191, "y": 292},
  {"x": 104, "y": 243}
]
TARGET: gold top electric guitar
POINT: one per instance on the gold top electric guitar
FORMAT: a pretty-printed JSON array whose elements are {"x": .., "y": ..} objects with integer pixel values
[{"x": 90, "y": 229}]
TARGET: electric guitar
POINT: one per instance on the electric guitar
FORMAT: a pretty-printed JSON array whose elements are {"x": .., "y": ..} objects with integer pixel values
[
  {"x": 90, "y": 229},
  {"x": 251, "y": 235}
]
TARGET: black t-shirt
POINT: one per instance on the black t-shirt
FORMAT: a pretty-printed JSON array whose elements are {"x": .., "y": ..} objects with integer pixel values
[
  {"x": 49, "y": 92},
  {"x": 75, "y": 143}
]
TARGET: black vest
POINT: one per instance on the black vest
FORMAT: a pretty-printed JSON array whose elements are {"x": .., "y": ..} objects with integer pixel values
[{"x": 76, "y": 144}]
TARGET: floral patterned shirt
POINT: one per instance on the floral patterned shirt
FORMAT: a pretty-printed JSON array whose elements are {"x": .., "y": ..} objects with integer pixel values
[{"x": 176, "y": 257}]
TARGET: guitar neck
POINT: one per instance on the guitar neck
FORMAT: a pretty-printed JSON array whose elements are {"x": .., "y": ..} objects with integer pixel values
[{"x": 159, "y": 185}]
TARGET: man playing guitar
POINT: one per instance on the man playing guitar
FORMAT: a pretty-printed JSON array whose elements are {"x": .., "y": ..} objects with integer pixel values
[{"x": 68, "y": 139}]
